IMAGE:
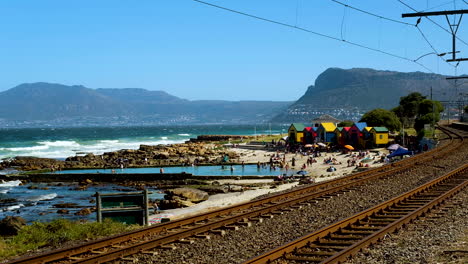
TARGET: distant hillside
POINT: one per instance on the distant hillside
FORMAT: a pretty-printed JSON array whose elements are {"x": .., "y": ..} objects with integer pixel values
[
  {"x": 61, "y": 104},
  {"x": 363, "y": 89}
]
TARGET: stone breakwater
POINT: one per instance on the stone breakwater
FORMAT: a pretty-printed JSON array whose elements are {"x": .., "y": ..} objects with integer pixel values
[{"x": 199, "y": 153}]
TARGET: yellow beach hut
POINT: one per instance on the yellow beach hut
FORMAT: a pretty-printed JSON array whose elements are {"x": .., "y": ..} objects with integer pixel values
[
  {"x": 380, "y": 135},
  {"x": 296, "y": 132}
]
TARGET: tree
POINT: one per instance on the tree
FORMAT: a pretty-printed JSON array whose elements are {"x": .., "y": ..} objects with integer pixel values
[
  {"x": 382, "y": 117},
  {"x": 428, "y": 113},
  {"x": 407, "y": 111},
  {"x": 345, "y": 123}
]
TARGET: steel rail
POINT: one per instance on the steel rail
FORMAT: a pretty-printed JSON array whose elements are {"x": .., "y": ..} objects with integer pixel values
[
  {"x": 306, "y": 240},
  {"x": 303, "y": 193}
]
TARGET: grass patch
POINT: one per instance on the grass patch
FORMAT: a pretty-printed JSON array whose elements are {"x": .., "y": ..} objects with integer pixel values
[{"x": 57, "y": 232}]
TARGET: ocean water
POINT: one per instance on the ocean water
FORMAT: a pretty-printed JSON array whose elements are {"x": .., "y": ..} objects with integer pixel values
[
  {"x": 65, "y": 142},
  {"x": 36, "y": 204}
]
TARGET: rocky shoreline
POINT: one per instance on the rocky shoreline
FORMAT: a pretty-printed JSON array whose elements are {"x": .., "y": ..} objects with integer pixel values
[{"x": 204, "y": 150}]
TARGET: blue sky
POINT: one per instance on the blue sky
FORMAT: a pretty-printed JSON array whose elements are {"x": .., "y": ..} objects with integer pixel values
[{"x": 195, "y": 51}]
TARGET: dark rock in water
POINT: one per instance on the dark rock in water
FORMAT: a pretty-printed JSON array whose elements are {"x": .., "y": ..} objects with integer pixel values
[
  {"x": 10, "y": 225},
  {"x": 7, "y": 201},
  {"x": 84, "y": 211},
  {"x": 32, "y": 187},
  {"x": 66, "y": 205},
  {"x": 62, "y": 211}
]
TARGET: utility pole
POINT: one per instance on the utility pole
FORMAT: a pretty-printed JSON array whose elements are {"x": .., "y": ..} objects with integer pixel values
[
  {"x": 433, "y": 116},
  {"x": 453, "y": 27}
]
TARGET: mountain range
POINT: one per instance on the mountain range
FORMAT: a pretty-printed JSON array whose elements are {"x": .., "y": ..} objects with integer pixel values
[
  {"x": 362, "y": 89},
  {"x": 344, "y": 93},
  {"x": 48, "y": 102}
]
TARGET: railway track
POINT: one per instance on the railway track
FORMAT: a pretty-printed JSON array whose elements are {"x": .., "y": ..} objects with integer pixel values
[
  {"x": 337, "y": 242},
  {"x": 160, "y": 236}
]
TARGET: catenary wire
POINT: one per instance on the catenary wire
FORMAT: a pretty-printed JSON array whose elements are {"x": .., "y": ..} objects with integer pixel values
[
  {"x": 396, "y": 21},
  {"x": 314, "y": 33},
  {"x": 372, "y": 14},
  {"x": 428, "y": 18}
]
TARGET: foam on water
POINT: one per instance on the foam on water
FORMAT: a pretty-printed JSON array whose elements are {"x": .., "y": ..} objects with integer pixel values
[
  {"x": 10, "y": 183},
  {"x": 59, "y": 143},
  {"x": 13, "y": 207},
  {"x": 63, "y": 149},
  {"x": 44, "y": 197}
]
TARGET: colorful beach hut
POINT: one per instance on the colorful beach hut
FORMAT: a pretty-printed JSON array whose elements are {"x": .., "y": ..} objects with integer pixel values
[
  {"x": 296, "y": 132},
  {"x": 355, "y": 134},
  {"x": 380, "y": 136},
  {"x": 367, "y": 140},
  {"x": 310, "y": 133},
  {"x": 326, "y": 132},
  {"x": 338, "y": 133},
  {"x": 345, "y": 136}
]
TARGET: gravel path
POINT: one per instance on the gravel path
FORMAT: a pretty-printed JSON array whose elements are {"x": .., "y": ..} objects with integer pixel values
[{"x": 247, "y": 242}]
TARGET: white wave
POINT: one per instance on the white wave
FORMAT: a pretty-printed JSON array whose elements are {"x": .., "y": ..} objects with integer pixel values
[
  {"x": 60, "y": 143},
  {"x": 10, "y": 183},
  {"x": 13, "y": 207},
  {"x": 44, "y": 197},
  {"x": 184, "y": 135},
  {"x": 5, "y": 191},
  {"x": 26, "y": 149},
  {"x": 109, "y": 141},
  {"x": 63, "y": 149}
]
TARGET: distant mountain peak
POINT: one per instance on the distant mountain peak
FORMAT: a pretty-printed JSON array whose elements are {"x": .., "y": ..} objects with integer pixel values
[{"x": 362, "y": 88}]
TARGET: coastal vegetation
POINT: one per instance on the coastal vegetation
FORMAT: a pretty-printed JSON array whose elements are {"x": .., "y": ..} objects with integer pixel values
[
  {"x": 415, "y": 110},
  {"x": 57, "y": 233},
  {"x": 382, "y": 118}
]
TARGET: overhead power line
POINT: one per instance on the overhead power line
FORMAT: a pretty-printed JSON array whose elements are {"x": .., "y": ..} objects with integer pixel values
[
  {"x": 314, "y": 33},
  {"x": 372, "y": 14},
  {"x": 435, "y": 23},
  {"x": 395, "y": 21}
]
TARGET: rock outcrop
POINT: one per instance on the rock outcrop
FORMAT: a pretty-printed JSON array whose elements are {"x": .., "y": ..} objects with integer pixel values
[
  {"x": 145, "y": 156},
  {"x": 10, "y": 225}
]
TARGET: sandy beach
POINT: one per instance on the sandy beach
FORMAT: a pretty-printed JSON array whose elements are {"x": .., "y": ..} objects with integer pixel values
[{"x": 318, "y": 171}]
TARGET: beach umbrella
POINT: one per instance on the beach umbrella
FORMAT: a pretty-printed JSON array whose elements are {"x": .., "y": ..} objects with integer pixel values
[
  {"x": 308, "y": 145},
  {"x": 349, "y": 147},
  {"x": 393, "y": 147},
  {"x": 302, "y": 172}
]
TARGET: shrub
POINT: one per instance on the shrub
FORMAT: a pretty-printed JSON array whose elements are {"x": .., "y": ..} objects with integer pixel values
[{"x": 57, "y": 232}]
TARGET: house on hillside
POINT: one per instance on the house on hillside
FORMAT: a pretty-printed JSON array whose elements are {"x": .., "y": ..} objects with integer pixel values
[
  {"x": 326, "y": 132},
  {"x": 296, "y": 133},
  {"x": 324, "y": 119},
  {"x": 379, "y": 136},
  {"x": 310, "y": 133},
  {"x": 355, "y": 134}
]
